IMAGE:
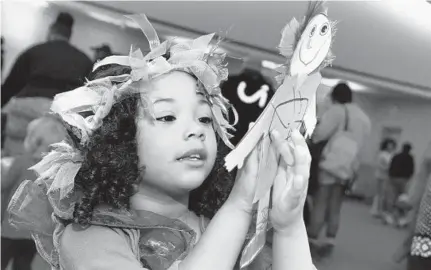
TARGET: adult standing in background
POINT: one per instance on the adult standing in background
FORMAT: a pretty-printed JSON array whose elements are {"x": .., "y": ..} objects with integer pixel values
[
  {"x": 38, "y": 74},
  {"x": 343, "y": 127}
]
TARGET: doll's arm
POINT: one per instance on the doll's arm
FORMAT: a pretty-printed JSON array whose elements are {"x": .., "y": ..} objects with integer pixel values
[
  {"x": 220, "y": 245},
  {"x": 291, "y": 250}
]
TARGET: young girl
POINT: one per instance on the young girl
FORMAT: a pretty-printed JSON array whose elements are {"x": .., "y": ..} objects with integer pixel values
[
  {"x": 121, "y": 189},
  {"x": 387, "y": 148}
]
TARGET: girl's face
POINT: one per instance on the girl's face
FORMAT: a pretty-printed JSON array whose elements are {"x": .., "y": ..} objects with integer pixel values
[{"x": 178, "y": 148}]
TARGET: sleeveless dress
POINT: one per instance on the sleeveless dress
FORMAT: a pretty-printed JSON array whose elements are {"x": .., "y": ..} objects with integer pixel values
[
  {"x": 139, "y": 244},
  {"x": 115, "y": 239}
]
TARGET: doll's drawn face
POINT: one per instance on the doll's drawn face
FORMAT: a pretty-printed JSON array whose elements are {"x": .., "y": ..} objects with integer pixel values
[
  {"x": 178, "y": 148},
  {"x": 315, "y": 42}
]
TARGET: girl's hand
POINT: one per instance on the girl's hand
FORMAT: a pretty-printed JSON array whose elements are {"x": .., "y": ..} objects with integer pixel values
[
  {"x": 243, "y": 191},
  {"x": 291, "y": 182}
]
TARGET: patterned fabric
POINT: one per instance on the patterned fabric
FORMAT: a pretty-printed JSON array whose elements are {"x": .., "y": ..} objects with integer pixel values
[
  {"x": 423, "y": 225},
  {"x": 421, "y": 246}
]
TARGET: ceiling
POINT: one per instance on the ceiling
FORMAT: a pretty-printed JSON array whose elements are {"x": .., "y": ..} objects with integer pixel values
[{"x": 388, "y": 41}]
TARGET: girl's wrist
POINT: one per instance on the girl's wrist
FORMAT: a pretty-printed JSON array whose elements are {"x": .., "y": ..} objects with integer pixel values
[
  {"x": 239, "y": 205},
  {"x": 290, "y": 230}
]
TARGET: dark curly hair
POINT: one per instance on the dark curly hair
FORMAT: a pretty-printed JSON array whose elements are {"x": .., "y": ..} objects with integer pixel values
[{"x": 110, "y": 172}]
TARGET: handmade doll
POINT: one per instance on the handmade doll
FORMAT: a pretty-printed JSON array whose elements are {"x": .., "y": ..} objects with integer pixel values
[{"x": 307, "y": 47}]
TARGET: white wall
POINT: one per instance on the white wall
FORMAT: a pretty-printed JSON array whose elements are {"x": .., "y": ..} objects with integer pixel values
[{"x": 411, "y": 114}]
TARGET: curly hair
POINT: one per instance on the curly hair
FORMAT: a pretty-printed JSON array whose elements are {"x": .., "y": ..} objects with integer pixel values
[{"x": 110, "y": 173}]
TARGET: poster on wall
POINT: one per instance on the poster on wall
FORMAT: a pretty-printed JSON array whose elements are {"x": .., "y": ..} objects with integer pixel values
[
  {"x": 249, "y": 93},
  {"x": 392, "y": 133}
]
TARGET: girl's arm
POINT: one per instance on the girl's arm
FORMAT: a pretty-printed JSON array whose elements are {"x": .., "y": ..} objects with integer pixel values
[
  {"x": 222, "y": 241},
  {"x": 220, "y": 245},
  {"x": 291, "y": 249},
  {"x": 224, "y": 237}
]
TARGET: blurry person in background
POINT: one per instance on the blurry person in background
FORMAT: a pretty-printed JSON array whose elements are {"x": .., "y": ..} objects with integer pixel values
[
  {"x": 342, "y": 130},
  {"x": 38, "y": 74},
  {"x": 387, "y": 148},
  {"x": 417, "y": 245},
  {"x": 401, "y": 169},
  {"x": 101, "y": 52},
  {"x": 17, "y": 246}
]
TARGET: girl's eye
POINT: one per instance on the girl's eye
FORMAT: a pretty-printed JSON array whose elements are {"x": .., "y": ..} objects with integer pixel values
[
  {"x": 167, "y": 118},
  {"x": 206, "y": 120}
]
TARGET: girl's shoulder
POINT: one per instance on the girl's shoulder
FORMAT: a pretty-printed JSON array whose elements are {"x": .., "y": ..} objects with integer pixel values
[
  {"x": 87, "y": 248},
  {"x": 77, "y": 237}
]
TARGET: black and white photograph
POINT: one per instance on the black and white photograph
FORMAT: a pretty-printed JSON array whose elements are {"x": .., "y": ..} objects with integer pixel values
[{"x": 215, "y": 135}]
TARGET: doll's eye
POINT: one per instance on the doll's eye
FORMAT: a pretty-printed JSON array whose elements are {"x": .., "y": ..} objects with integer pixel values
[
  {"x": 312, "y": 31},
  {"x": 324, "y": 29}
]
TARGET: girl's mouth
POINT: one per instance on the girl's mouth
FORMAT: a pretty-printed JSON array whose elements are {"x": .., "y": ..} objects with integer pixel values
[{"x": 194, "y": 157}]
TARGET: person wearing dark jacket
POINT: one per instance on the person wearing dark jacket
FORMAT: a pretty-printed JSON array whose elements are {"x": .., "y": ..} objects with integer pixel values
[
  {"x": 401, "y": 169},
  {"x": 38, "y": 74}
]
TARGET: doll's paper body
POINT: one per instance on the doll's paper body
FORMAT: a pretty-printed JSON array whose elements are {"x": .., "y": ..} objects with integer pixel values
[
  {"x": 289, "y": 107},
  {"x": 284, "y": 113}
]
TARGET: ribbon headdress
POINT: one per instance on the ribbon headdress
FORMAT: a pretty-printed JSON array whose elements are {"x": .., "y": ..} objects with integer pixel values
[
  {"x": 41, "y": 205},
  {"x": 196, "y": 57}
]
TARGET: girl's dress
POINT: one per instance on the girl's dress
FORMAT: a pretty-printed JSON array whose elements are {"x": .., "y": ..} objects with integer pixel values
[{"x": 115, "y": 239}]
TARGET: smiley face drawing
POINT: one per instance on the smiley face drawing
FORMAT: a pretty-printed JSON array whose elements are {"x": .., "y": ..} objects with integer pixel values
[{"x": 313, "y": 46}]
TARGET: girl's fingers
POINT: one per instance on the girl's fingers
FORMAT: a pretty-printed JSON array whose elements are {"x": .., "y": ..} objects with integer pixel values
[
  {"x": 280, "y": 181},
  {"x": 282, "y": 147},
  {"x": 301, "y": 151}
]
